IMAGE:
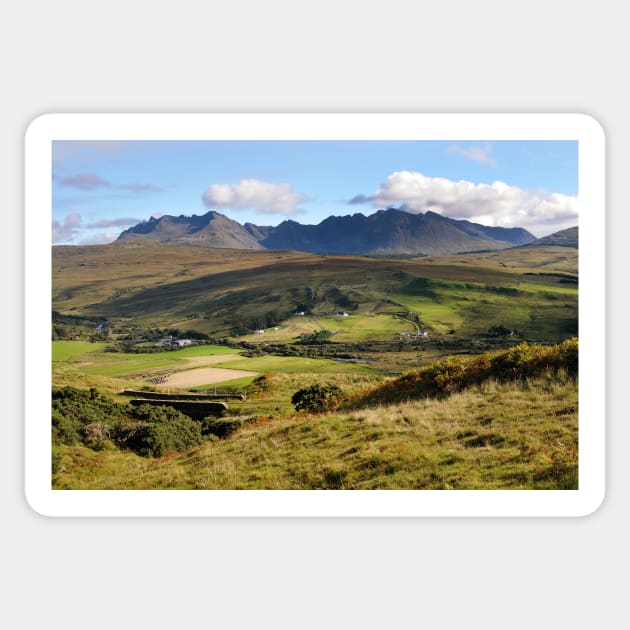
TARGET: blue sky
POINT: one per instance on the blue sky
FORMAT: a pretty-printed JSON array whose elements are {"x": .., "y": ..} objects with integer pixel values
[{"x": 103, "y": 187}]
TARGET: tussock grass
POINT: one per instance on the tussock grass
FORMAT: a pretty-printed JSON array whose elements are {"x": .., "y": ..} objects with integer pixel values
[{"x": 492, "y": 436}]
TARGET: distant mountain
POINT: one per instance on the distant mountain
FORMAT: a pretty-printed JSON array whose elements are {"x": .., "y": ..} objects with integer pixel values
[
  {"x": 386, "y": 232},
  {"x": 209, "y": 230},
  {"x": 563, "y": 238}
]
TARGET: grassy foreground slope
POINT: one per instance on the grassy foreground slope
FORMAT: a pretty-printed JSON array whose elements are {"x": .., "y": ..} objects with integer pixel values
[
  {"x": 493, "y": 436},
  {"x": 497, "y": 421}
]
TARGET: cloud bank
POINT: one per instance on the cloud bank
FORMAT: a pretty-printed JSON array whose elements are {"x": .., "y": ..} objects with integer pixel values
[
  {"x": 121, "y": 222},
  {"x": 253, "y": 194},
  {"x": 65, "y": 231},
  {"x": 72, "y": 227},
  {"x": 496, "y": 204}
]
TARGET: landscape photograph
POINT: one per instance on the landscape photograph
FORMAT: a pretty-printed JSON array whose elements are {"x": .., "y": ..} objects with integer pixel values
[{"x": 314, "y": 315}]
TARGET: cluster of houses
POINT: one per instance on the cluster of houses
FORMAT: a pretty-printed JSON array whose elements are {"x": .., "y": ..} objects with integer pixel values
[
  {"x": 169, "y": 341},
  {"x": 337, "y": 314},
  {"x": 416, "y": 335}
]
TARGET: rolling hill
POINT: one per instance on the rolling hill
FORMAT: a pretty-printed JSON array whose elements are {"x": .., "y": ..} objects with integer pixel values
[
  {"x": 214, "y": 291},
  {"x": 563, "y": 238}
]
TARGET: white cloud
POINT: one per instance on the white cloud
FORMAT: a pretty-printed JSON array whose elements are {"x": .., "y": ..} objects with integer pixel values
[
  {"x": 120, "y": 222},
  {"x": 496, "y": 204},
  {"x": 72, "y": 230},
  {"x": 63, "y": 232},
  {"x": 100, "y": 238},
  {"x": 263, "y": 197},
  {"x": 481, "y": 155}
]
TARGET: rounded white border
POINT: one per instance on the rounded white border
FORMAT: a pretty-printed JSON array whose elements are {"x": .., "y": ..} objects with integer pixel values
[{"x": 38, "y": 197}]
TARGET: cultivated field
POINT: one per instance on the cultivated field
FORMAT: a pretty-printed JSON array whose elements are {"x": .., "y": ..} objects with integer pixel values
[{"x": 204, "y": 365}]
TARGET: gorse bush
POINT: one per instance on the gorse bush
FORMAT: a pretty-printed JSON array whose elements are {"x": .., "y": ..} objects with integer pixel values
[
  {"x": 317, "y": 398},
  {"x": 74, "y": 409},
  {"x": 222, "y": 427},
  {"x": 458, "y": 372},
  {"x": 157, "y": 430},
  {"x": 86, "y": 417}
]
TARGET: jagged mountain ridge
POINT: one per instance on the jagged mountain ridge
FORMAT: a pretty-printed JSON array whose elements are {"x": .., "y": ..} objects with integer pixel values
[
  {"x": 209, "y": 230},
  {"x": 386, "y": 232}
]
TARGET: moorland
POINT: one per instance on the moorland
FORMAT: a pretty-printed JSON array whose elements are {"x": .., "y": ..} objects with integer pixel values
[{"x": 454, "y": 371}]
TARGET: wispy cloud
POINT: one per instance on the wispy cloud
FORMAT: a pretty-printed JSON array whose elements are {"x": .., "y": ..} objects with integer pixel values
[
  {"x": 92, "y": 181},
  {"x": 481, "y": 155},
  {"x": 360, "y": 199},
  {"x": 254, "y": 194},
  {"x": 100, "y": 238},
  {"x": 65, "y": 231},
  {"x": 72, "y": 229},
  {"x": 121, "y": 222},
  {"x": 141, "y": 188},
  {"x": 83, "y": 181}
]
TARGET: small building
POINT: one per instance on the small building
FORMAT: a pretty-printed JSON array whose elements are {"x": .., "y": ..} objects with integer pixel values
[
  {"x": 341, "y": 314},
  {"x": 180, "y": 343},
  {"x": 299, "y": 313},
  {"x": 259, "y": 331}
]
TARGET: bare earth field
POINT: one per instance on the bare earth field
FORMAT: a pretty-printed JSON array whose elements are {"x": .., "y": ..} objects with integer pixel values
[{"x": 204, "y": 376}]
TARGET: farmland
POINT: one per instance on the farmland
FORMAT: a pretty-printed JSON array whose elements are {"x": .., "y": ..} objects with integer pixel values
[
  {"x": 205, "y": 365},
  {"x": 266, "y": 324},
  {"x": 227, "y": 294}
]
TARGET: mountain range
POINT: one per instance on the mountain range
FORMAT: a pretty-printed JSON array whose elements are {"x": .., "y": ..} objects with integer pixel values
[{"x": 386, "y": 232}]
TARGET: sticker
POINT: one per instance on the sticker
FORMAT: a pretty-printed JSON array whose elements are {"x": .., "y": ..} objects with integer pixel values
[{"x": 315, "y": 315}]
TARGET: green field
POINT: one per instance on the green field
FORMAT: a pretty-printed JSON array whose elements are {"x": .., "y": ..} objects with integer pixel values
[
  {"x": 292, "y": 365},
  {"x": 67, "y": 350},
  {"x": 89, "y": 362},
  {"x": 355, "y": 328},
  {"x": 90, "y": 358},
  {"x": 386, "y": 432}
]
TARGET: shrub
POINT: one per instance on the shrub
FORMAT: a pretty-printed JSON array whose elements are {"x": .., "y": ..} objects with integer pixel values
[
  {"x": 317, "y": 398},
  {"x": 222, "y": 427},
  {"x": 86, "y": 417},
  {"x": 444, "y": 377},
  {"x": 157, "y": 430}
]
